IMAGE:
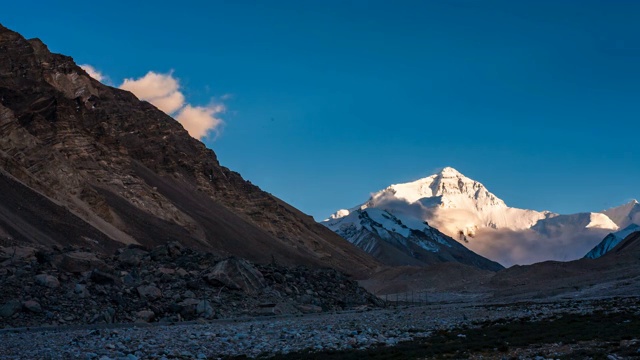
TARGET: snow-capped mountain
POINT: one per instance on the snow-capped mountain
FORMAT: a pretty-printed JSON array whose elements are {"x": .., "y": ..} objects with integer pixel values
[
  {"x": 611, "y": 241},
  {"x": 467, "y": 211},
  {"x": 626, "y": 214},
  {"x": 401, "y": 240}
]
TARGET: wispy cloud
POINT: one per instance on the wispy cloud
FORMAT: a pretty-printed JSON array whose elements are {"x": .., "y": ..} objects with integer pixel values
[
  {"x": 164, "y": 91},
  {"x": 201, "y": 120}
]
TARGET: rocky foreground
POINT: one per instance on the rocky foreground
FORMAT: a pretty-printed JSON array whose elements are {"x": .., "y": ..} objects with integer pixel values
[
  {"x": 346, "y": 335},
  {"x": 168, "y": 284}
]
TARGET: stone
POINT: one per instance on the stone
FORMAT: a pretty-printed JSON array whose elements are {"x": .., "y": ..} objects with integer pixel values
[
  {"x": 182, "y": 272},
  {"x": 81, "y": 290},
  {"x": 166, "y": 271},
  {"x": 146, "y": 315},
  {"x": 108, "y": 315},
  {"x": 149, "y": 292},
  {"x": 175, "y": 249},
  {"x": 102, "y": 277},
  {"x": 132, "y": 256},
  {"x": 205, "y": 309},
  {"x": 159, "y": 252},
  {"x": 189, "y": 302},
  {"x": 237, "y": 274},
  {"x": 15, "y": 253},
  {"x": 279, "y": 278},
  {"x": 78, "y": 262},
  {"x": 10, "y": 308},
  {"x": 306, "y": 299},
  {"x": 32, "y": 306},
  {"x": 285, "y": 308},
  {"x": 308, "y": 309},
  {"x": 47, "y": 281}
]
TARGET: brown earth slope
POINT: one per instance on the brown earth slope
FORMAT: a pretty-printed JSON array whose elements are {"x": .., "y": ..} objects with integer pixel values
[
  {"x": 128, "y": 173},
  {"x": 617, "y": 273}
]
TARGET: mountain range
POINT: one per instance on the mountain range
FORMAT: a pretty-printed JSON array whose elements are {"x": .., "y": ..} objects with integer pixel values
[
  {"x": 465, "y": 210},
  {"x": 92, "y": 166}
]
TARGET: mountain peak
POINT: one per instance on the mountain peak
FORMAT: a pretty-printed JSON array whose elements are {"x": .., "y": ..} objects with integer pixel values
[
  {"x": 625, "y": 214},
  {"x": 449, "y": 172},
  {"x": 447, "y": 188}
]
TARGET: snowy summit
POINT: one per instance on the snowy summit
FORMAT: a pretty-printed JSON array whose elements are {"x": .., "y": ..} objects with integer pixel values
[{"x": 466, "y": 210}]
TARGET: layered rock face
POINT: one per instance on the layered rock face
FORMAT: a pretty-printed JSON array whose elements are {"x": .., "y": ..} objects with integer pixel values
[{"x": 102, "y": 169}]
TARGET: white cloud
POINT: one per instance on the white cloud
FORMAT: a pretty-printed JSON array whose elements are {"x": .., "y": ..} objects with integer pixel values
[
  {"x": 199, "y": 120},
  {"x": 93, "y": 72},
  {"x": 527, "y": 246},
  {"x": 163, "y": 91}
]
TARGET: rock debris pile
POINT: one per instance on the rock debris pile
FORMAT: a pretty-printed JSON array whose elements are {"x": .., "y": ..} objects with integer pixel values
[{"x": 168, "y": 283}]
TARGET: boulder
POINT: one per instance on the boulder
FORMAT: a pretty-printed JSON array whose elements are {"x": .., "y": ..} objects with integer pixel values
[
  {"x": 15, "y": 253},
  {"x": 189, "y": 302},
  {"x": 10, "y": 308},
  {"x": 237, "y": 274},
  {"x": 284, "y": 308},
  {"x": 205, "y": 309},
  {"x": 103, "y": 277},
  {"x": 182, "y": 272},
  {"x": 109, "y": 315},
  {"x": 81, "y": 290},
  {"x": 175, "y": 249},
  {"x": 78, "y": 262},
  {"x": 187, "y": 307},
  {"x": 159, "y": 252},
  {"x": 32, "y": 306},
  {"x": 146, "y": 315},
  {"x": 308, "y": 309},
  {"x": 132, "y": 256},
  {"x": 47, "y": 281},
  {"x": 149, "y": 292}
]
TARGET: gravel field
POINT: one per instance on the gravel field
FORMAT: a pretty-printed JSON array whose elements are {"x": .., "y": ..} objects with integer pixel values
[{"x": 268, "y": 336}]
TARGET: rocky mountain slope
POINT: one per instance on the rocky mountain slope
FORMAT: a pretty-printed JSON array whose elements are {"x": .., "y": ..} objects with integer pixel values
[
  {"x": 468, "y": 212},
  {"x": 101, "y": 168},
  {"x": 627, "y": 217},
  {"x": 611, "y": 241}
]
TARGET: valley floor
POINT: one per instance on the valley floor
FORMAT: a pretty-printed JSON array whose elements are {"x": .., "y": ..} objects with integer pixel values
[{"x": 605, "y": 328}]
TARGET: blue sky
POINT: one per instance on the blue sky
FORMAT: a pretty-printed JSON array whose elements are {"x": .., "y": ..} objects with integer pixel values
[{"x": 332, "y": 100}]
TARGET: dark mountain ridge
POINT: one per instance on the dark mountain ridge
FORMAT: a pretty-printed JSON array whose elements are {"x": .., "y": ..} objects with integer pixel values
[{"x": 123, "y": 172}]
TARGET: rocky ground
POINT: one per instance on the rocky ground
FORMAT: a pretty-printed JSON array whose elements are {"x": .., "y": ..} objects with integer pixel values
[
  {"x": 175, "y": 303},
  {"x": 518, "y": 331},
  {"x": 169, "y": 283}
]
